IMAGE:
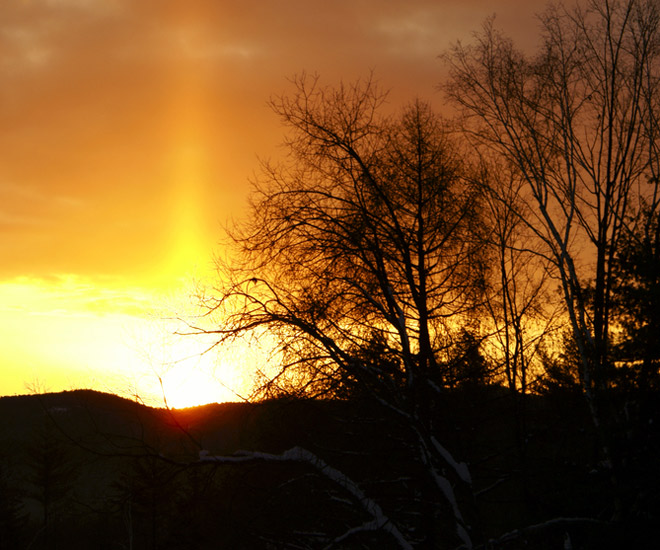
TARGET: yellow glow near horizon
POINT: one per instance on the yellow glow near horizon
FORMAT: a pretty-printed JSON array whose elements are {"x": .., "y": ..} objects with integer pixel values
[
  {"x": 192, "y": 376},
  {"x": 71, "y": 333}
]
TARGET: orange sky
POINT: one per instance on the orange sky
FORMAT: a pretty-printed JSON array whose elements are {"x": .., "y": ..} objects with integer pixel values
[{"x": 128, "y": 132}]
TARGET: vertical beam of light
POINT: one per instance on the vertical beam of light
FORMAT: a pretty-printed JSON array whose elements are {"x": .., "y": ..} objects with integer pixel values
[
  {"x": 187, "y": 375},
  {"x": 188, "y": 163}
]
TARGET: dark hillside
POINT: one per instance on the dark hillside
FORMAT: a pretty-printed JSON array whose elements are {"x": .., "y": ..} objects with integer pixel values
[{"x": 84, "y": 469}]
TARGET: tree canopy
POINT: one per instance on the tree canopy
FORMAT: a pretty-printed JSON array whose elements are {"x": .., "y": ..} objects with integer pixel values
[{"x": 369, "y": 234}]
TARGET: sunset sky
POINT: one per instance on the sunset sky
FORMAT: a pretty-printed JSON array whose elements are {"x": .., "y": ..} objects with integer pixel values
[{"x": 129, "y": 130}]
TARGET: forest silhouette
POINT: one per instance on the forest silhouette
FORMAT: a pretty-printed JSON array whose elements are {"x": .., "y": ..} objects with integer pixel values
[{"x": 465, "y": 317}]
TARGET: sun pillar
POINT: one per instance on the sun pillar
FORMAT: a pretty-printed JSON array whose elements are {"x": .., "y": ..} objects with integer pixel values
[{"x": 188, "y": 171}]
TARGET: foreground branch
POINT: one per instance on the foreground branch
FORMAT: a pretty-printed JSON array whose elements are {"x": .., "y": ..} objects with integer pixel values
[{"x": 298, "y": 454}]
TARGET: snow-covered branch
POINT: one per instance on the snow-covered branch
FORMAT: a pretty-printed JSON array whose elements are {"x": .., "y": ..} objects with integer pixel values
[
  {"x": 299, "y": 454},
  {"x": 525, "y": 531}
]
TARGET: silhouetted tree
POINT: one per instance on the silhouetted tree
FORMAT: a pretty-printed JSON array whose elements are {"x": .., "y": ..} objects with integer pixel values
[
  {"x": 13, "y": 519},
  {"x": 371, "y": 228},
  {"x": 517, "y": 303},
  {"x": 49, "y": 479},
  {"x": 561, "y": 365},
  {"x": 367, "y": 243},
  {"x": 577, "y": 124},
  {"x": 145, "y": 496},
  {"x": 637, "y": 301},
  {"x": 468, "y": 365}
]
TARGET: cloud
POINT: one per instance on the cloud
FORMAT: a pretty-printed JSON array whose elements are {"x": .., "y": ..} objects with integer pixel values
[
  {"x": 73, "y": 296},
  {"x": 23, "y": 49},
  {"x": 101, "y": 8},
  {"x": 194, "y": 48},
  {"x": 11, "y": 222},
  {"x": 32, "y": 209},
  {"x": 414, "y": 33},
  {"x": 10, "y": 191}
]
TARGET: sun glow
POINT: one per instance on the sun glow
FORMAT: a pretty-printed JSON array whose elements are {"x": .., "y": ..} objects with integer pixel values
[
  {"x": 198, "y": 380},
  {"x": 70, "y": 333},
  {"x": 107, "y": 325},
  {"x": 189, "y": 370}
]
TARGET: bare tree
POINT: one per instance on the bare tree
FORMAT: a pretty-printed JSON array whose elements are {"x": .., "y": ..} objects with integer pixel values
[
  {"x": 362, "y": 260},
  {"x": 517, "y": 303},
  {"x": 577, "y": 124}
]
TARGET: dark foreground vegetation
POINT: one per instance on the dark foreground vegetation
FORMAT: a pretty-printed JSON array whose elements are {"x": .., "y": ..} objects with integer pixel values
[{"x": 83, "y": 469}]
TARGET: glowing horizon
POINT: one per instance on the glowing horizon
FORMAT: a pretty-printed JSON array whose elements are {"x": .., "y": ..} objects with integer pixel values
[
  {"x": 129, "y": 131},
  {"x": 113, "y": 340}
]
